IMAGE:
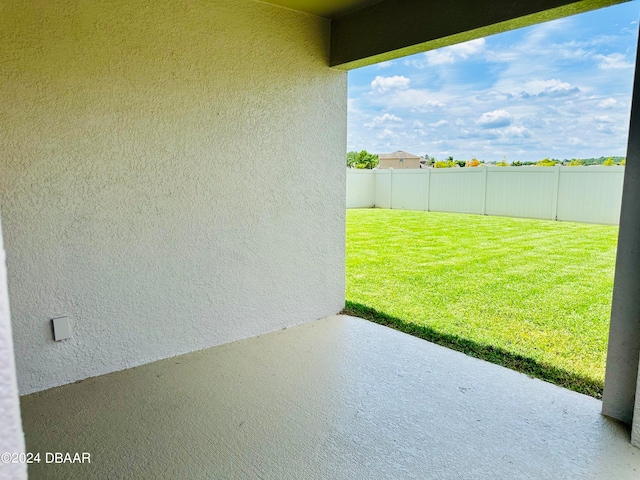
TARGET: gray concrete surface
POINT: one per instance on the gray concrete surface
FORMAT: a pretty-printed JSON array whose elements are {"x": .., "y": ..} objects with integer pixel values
[{"x": 337, "y": 398}]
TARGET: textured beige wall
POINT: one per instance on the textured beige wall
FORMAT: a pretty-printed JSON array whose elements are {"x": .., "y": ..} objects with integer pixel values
[{"x": 123, "y": 200}]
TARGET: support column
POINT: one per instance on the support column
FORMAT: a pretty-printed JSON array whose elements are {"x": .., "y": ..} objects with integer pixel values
[
  {"x": 12, "y": 436},
  {"x": 635, "y": 428},
  {"x": 621, "y": 380}
]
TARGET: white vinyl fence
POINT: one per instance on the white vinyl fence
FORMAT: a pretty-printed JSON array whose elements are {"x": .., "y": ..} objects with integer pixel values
[{"x": 576, "y": 194}]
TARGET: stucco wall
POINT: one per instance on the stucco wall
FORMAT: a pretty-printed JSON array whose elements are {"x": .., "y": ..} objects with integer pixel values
[
  {"x": 11, "y": 439},
  {"x": 124, "y": 202}
]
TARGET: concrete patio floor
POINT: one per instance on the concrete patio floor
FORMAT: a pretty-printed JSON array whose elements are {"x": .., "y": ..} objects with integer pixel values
[{"x": 338, "y": 398}]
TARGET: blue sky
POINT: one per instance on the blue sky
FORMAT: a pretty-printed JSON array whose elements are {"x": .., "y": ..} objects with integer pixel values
[{"x": 560, "y": 89}]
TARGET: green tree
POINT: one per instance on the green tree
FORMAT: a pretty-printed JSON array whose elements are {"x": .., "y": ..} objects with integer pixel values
[
  {"x": 575, "y": 162},
  {"x": 351, "y": 159},
  {"x": 362, "y": 159},
  {"x": 445, "y": 164},
  {"x": 545, "y": 162}
]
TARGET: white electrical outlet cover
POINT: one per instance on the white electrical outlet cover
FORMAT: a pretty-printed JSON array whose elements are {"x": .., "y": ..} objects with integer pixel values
[{"x": 61, "y": 328}]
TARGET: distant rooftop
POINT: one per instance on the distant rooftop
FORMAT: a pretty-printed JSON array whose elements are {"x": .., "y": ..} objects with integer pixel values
[{"x": 398, "y": 154}]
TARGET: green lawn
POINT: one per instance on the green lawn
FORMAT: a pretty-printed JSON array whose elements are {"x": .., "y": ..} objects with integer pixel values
[{"x": 532, "y": 295}]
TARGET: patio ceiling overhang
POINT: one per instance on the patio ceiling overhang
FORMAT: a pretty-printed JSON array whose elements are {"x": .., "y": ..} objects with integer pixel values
[{"x": 364, "y": 32}]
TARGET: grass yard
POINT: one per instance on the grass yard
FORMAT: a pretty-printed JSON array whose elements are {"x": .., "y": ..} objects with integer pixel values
[{"x": 531, "y": 295}]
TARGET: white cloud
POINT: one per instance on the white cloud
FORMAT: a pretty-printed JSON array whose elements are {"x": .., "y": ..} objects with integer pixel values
[
  {"x": 607, "y": 103},
  {"x": 386, "y": 84},
  {"x": 519, "y": 85},
  {"x": 495, "y": 119},
  {"x": 552, "y": 86},
  {"x": 605, "y": 124},
  {"x": 387, "y": 117},
  {"x": 385, "y": 134},
  {"x": 439, "y": 57},
  {"x": 383, "y": 65},
  {"x": 575, "y": 141},
  {"x": 466, "y": 49},
  {"x": 543, "y": 31},
  {"x": 383, "y": 119},
  {"x": 613, "y": 61},
  {"x": 413, "y": 99},
  {"x": 418, "y": 124},
  {"x": 515, "y": 132},
  {"x": 605, "y": 128},
  {"x": 439, "y": 123},
  {"x": 450, "y": 54}
]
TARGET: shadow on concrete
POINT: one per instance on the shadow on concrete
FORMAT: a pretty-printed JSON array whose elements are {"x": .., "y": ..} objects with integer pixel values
[{"x": 492, "y": 354}]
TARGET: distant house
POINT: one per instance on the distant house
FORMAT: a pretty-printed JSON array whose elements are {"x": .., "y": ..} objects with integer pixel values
[{"x": 399, "y": 159}]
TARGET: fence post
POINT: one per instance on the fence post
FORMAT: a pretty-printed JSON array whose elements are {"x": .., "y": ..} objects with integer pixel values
[
  {"x": 484, "y": 189},
  {"x": 428, "y": 187},
  {"x": 556, "y": 187},
  {"x": 390, "y": 187},
  {"x": 375, "y": 186}
]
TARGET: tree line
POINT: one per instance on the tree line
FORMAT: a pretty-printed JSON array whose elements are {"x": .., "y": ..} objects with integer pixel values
[
  {"x": 362, "y": 159},
  {"x": 366, "y": 160}
]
